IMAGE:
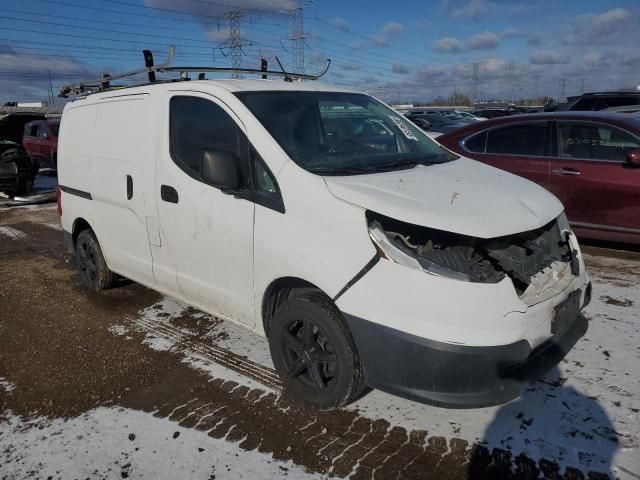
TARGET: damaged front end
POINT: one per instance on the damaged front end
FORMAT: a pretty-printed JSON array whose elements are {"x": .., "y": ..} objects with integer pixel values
[{"x": 540, "y": 262}]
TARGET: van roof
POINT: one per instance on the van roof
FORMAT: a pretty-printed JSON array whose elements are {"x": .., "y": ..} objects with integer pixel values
[{"x": 230, "y": 85}]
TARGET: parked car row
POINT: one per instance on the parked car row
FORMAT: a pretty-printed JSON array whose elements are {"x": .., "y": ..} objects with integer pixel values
[
  {"x": 27, "y": 142},
  {"x": 17, "y": 168},
  {"x": 589, "y": 160}
]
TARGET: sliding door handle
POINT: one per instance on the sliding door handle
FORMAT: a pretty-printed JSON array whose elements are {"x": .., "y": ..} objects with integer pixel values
[
  {"x": 129, "y": 187},
  {"x": 168, "y": 194}
]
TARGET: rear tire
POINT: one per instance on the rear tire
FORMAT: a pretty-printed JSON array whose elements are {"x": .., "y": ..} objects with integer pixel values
[
  {"x": 314, "y": 353},
  {"x": 94, "y": 273}
]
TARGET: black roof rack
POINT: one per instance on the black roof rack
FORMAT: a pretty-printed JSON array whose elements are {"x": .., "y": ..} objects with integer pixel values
[{"x": 104, "y": 83}]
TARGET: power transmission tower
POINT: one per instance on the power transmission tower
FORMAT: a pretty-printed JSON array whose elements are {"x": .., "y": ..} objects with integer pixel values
[
  {"x": 51, "y": 97},
  {"x": 563, "y": 89},
  {"x": 297, "y": 37},
  {"x": 536, "y": 82},
  {"x": 511, "y": 66},
  {"x": 582, "y": 86},
  {"x": 476, "y": 80},
  {"x": 234, "y": 44}
]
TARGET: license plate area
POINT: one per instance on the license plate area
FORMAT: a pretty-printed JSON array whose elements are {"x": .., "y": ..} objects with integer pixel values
[{"x": 565, "y": 313}]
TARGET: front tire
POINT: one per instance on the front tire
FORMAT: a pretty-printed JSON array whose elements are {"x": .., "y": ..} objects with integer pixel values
[
  {"x": 94, "y": 273},
  {"x": 314, "y": 353}
]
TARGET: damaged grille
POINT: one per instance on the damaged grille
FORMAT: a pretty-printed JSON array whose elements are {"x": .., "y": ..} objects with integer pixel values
[{"x": 521, "y": 256}]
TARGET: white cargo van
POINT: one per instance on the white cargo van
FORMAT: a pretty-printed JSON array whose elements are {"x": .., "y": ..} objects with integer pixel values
[{"x": 327, "y": 222}]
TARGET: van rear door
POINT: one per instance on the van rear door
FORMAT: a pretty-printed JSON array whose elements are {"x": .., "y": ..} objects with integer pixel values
[{"x": 205, "y": 252}]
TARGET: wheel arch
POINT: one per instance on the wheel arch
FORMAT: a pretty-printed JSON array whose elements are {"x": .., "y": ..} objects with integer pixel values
[
  {"x": 79, "y": 226},
  {"x": 279, "y": 291}
]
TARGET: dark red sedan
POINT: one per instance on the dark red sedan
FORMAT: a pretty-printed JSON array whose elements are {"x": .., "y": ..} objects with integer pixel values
[{"x": 589, "y": 160}]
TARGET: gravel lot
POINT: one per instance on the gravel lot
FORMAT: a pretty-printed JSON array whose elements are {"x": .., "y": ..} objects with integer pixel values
[{"x": 130, "y": 384}]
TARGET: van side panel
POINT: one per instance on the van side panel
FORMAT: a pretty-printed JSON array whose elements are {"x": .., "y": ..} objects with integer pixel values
[
  {"x": 75, "y": 142},
  {"x": 121, "y": 153}
]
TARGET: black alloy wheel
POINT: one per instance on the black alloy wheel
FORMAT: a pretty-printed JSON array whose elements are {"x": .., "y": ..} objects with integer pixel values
[{"x": 314, "y": 353}]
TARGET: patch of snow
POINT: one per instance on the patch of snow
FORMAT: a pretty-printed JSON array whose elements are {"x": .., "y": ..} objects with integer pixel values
[
  {"x": 160, "y": 344},
  {"x": 6, "y": 385},
  {"x": 118, "y": 330},
  {"x": 588, "y": 419},
  {"x": 121, "y": 443},
  {"x": 153, "y": 318},
  {"x": 12, "y": 233}
]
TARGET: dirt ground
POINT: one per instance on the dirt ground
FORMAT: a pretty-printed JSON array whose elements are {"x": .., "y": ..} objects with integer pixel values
[{"x": 65, "y": 353}]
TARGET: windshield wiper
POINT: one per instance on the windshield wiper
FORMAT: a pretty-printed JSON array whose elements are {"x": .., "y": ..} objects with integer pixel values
[{"x": 411, "y": 162}]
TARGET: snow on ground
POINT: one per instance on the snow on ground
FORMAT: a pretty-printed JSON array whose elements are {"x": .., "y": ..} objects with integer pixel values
[
  {"x": 6, "y": 385},
  {"x": 583, "y": 414},
  {"x": 122, "y": 443}
]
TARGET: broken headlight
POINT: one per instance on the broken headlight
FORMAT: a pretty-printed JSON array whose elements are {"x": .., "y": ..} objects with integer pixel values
[
  {"x": 459, "y": 264},
  {"x": 520, "y": 256}
]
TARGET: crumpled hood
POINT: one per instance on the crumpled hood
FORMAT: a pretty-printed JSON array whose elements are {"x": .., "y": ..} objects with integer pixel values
[{"x": 462, "y": 196}]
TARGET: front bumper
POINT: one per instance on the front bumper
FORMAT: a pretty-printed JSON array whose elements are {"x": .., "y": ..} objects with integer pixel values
[{"x": 457, "y": 376}]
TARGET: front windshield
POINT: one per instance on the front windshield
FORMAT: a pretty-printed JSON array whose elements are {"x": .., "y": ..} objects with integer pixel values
[{"x": 333, "y": 133}]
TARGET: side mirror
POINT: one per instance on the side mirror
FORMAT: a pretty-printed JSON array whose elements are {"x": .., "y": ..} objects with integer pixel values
[
  {"x": 220, "y": 169},
  {"x": 633, "y": 158},
  {"x": 45, "y": 135}
]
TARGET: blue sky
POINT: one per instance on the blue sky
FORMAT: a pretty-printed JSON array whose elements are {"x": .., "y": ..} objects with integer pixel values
[{"x": 399, "y": 51}]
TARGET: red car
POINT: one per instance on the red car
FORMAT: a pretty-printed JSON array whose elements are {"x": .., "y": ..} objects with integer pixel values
[
  {"x": 589, "y": 160},
  {"x": 40, "y": 140}
]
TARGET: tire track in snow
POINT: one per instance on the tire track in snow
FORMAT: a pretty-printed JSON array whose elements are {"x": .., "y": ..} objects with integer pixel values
[
  {"x": 187, "y": 344},
  {"x": 12, "y": 233}
]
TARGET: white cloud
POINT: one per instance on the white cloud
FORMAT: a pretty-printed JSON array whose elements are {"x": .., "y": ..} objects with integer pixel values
[
  {"x": 614, "y": 24},
  {"x": 482, "y": 41},
  {"x": 400, "y": 68},
  {"x": 547, "y": 57},
  {"x": 471, "y": 9},
  {"x": 340, "y": 24},
  {"x": 29, "y": 80},
  {"x": 388, "y": 30},
  {"x": 218, "y": 35},
  {"x": 609, "y": 22},
  {"x": 215, "y": 9},
  {"x": 448, "y": 45}
]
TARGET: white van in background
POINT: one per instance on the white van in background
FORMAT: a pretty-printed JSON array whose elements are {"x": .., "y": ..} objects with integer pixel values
[{"x": 324, "y": 220}]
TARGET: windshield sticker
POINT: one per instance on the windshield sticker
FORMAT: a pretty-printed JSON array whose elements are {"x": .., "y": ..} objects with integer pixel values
[{"x": 404, "y": 128}]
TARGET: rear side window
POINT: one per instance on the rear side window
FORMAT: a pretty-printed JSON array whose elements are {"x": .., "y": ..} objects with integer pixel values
[
  {"x": 523, "y": 139},
  {"x": 594, "y": 141},
  {"x": 196, "y": 125},
  {"x": 477, "y": 143}
]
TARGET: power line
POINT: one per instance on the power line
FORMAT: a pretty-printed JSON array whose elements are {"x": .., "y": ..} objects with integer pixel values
[{"x": 105, "y": 30}]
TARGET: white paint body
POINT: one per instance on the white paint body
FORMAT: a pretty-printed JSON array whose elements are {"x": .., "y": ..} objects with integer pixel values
[{"x": 220, "y": 253}]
